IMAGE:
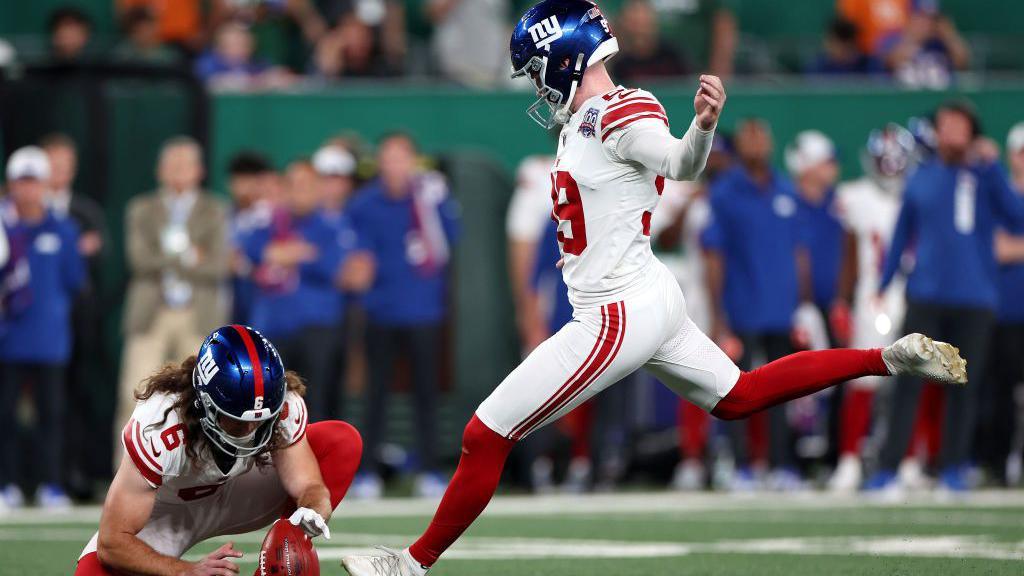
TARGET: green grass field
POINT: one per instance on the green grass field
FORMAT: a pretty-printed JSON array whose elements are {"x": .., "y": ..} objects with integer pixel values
[{"x": 646, "y": 534}]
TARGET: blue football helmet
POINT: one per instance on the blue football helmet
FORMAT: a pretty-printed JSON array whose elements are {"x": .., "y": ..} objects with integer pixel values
[
  {"x": 890, "y": 154},
  {"x": 554, "y": 43},
  {"x": 239, "y": 375}
]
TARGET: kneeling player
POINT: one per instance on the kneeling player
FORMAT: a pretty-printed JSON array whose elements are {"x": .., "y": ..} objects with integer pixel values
[{"x": 218, "y": 445}]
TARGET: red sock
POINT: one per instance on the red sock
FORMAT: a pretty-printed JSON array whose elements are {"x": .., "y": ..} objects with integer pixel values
[
  {"x": 693, "y": 431},
  {"x": 855, "y": 419},
  {"x": 581, "y": 422},
  {"x": 475, "y": 480},
  {"x": 794, "y": 376}
]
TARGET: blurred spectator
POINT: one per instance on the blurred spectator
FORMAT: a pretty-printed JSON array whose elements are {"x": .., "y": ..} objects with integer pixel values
[
  {"x": 86, "y": 316},
  {"x": 471, "y": 39},
  {"x": 386, "y": 18},
  {"x": 248, "y": 175},
  {"x": 813, "y": 165},
  {"x": 142, "y": 41},
  {"x": 877, "y": 20},
  {"x": 999, "y": 421},
  {"x": 70, "y": 31},
  {"x": 35, "y": 337},
  {"x": 706, "y": 32},
  {"x": 927, "y": 52},
  {"x": 407, "y": 222},
  {"x": 950, "y": 210},
  {"x": 295, "y": 260},
  {"x": 350, "y": 49},
  {"x": 643, "y": 54},
  {"x": 529, "y": 215},
  {"x": 868, "y": 208},
  {"x": 284, "y": 30},
  {"x": 336, "y": 167},
  {"x": 231, "y": 62},
  {"x": 180, "y": 22},
  {"x": 177, "y": 250},
  {"x": 753, "y": 278},
  {"x": 842, "y": 55}
]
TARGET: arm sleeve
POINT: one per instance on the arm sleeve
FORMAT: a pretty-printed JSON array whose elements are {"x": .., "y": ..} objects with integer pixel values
[{"x": 650, "y": 143}]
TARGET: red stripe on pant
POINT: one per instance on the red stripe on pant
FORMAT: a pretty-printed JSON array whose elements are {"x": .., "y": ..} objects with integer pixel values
[
  {"x": 610, "y": 345},
  {"x": 337, "y": 447},
  {"x": 544, "y": 408}
]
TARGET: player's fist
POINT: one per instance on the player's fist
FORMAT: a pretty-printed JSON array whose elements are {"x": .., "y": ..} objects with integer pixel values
[
  {"x": 216, "y": 563},
  {"x": 311, "y": 522},
  {"x": 709, "y": 101}
]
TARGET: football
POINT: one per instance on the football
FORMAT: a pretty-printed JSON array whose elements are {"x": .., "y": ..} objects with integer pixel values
[{"x": 287, "y": 551}]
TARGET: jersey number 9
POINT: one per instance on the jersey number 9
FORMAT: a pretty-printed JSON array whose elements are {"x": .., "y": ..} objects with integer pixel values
[{"x": 568, "y": 207}]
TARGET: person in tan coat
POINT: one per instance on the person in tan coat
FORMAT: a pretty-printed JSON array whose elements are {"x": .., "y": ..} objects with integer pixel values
[{"x": 177, "y": 250}]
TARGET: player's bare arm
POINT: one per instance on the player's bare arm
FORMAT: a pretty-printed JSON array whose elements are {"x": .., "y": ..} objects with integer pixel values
[
  {"x": 128, "y": 506},
  {"x": 300, "y": 475}
]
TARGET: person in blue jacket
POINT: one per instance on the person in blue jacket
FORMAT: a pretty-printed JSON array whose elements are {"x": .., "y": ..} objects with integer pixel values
[
  {"x": 406, "y": 223},
  {"x": 296, "y": 258},
  {"x": 35, "y": 336},
  {"x": 998, "y": 419},
  {"x": 752, "y": 247},
  {"x": 952, "y": 206}
]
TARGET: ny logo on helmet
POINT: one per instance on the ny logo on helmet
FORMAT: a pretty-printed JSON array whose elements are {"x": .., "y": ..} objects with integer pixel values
[
  {"x": 545, "y": 32},
  {"x": 207, "y": 367}
]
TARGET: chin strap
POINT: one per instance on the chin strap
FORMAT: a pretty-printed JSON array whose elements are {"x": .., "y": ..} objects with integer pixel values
[{"x": 562, "y": 114}]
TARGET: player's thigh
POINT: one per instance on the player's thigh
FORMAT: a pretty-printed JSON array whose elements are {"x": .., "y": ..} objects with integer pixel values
[
  {"x": 694, "y": 367},
  {"x": 598, "y": 348}
]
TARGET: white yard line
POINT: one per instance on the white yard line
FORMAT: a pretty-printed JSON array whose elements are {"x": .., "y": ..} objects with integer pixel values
[
  {"x": 560, "y": 505},
  {"x": 959, "y": 547}
]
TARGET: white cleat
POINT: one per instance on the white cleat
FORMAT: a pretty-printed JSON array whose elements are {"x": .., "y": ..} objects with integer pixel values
[
  {"x": 919, "y": 355},
  {"x": 388, "y": 563}
]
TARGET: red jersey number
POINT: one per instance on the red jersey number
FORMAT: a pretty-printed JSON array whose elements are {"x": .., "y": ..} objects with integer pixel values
[{"x": 565, "y": 195}]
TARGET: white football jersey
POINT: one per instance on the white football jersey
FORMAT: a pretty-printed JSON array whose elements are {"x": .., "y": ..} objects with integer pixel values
[
  {"x": 602, "y": 203},
  {"x": 529, "y": 212},
  {"x": 870, "y": 213},
  {"x": 156, "y": 447}
]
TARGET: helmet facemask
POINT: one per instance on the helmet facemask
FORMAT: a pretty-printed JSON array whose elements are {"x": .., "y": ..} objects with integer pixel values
[
  {"x": 551, "y": 106},
  {"x": 237, "y": 447}
]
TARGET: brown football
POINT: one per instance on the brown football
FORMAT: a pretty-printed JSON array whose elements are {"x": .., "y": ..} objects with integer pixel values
[{"x": 287, "y": 551}]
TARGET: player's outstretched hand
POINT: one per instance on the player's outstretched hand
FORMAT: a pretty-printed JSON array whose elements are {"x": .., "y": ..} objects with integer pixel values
[
  {"x": 216, "y": 563},
  {"x": 709, "y": 101}
]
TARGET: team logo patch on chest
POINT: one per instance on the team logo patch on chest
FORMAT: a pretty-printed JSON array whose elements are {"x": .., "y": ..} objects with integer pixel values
[{"x": 588, "y": 127}]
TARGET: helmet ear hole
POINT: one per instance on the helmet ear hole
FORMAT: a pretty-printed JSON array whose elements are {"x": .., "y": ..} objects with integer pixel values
[{"x": 564, "y": 63}]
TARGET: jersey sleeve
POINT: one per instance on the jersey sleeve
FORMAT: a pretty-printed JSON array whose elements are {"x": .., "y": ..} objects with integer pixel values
[
  {"x": 155, "y": 444},
  {"x": 293, "y": 418},
  {"x": 628, "y": 111}
]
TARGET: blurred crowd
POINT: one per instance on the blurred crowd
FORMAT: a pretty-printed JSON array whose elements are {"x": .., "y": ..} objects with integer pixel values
[
  {"x": 342, "y": 272},
  {"x": 267, "y": 44},
  {"x": 772, "y": 261}
]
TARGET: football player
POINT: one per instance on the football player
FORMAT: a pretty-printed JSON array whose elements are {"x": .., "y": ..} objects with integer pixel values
[
  {"x": 218, "y": 445},
  {"x": 614, "y": 153},
  {"x": 868, "y": 208}
]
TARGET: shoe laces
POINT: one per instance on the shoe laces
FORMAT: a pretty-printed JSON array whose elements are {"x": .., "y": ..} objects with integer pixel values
[{"x": 390, "y": 564}]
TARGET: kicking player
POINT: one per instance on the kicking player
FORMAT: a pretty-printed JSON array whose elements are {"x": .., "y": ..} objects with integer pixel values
[
  {"x": 218, "y": 445},
  {"x": 614, "y": 153}
]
